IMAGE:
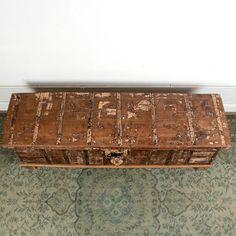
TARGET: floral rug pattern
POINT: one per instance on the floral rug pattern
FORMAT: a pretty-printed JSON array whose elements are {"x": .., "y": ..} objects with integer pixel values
[{"x": 118, "y": 202}]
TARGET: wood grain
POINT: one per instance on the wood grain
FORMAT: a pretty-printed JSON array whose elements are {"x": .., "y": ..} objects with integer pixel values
[
  {"x": 15, "y": 109},
  {"x": 94, "y": 128}
]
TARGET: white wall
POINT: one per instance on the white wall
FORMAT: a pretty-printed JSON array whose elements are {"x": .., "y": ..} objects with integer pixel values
[{"x": 134, "y": 42}]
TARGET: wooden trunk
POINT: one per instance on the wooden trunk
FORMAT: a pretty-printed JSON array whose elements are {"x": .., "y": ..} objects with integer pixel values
[{"x": 116, "y": 129}]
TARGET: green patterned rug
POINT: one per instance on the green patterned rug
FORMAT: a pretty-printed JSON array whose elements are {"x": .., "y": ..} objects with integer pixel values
[{"x": 118, "y": 202}]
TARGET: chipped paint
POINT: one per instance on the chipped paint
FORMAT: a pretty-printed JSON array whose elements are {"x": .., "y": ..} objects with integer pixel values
[
  {"x": 170, "y": 107},
  {"x": 119, "y": 123},
  {"x": 102, "y": 95},
  {"x": 49, "y": 106},
  {"x": 143, "y": 105},
  {"x": 74, "y": 139},
  {"x": 101, "y": 104},
  {"x": 60, "y": 119},
  {"x": 90, "y": 118},
  {"x": 189, "y": 114},
  {"x": 131, "y": 115},
  {"x": 81, "y": 93},
  {"x": 219, "y": 123},
  {"x": 154, "y": 119},
  {"x": 15, "y": 109},
  {"x": 38, "y": 96},
  {"x": 111, "y": 112},
  {"x": 43, "y": 96},
  {"x": 37, "y": 120},
  {"x": 99, "y": 114}
]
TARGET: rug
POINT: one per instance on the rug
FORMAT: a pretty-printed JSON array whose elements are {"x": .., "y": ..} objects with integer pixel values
[{"x": 118, "y": 202}]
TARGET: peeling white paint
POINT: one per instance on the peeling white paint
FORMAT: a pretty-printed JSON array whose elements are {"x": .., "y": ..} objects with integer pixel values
[
  {"x": 171, "y": 106},
  {"x": 78, "y": 93},
  {"x": 43, "y": 96},
  {"x": 111, "y": 111},
  {"x": 143, "y": 105},
  {"x": 74, "y": 139},
  {"x": 99, "y": 114},
  {"x": 130, "y": 115},
  {"x": 102, "y": 103},
  {"x": 131, "y": 95},
  {"x": 49, "y": 106},
  {"x": 102, "y": 95}
]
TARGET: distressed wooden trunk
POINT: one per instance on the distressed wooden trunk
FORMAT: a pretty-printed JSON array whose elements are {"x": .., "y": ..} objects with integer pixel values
[{"x": 113, "y": 129}]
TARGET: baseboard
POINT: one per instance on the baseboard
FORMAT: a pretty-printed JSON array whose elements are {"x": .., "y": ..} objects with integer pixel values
[
  {"x": 3, "y": 106},
  {"x": 230, "y": 108}
]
